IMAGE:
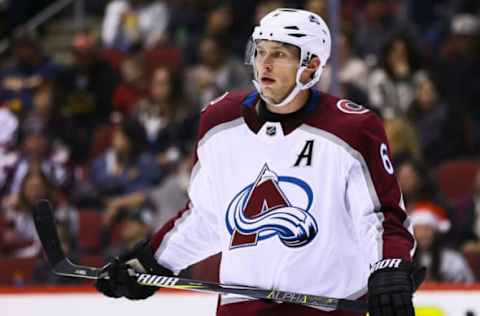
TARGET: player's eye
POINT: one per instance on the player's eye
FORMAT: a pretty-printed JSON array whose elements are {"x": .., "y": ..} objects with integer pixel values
[
  {"x": 261, "y": 52},
  {"x": 279, "y": 54}
]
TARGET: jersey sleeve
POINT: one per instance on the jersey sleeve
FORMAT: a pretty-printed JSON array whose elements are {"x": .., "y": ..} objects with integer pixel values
[{"x": 374, "y": 198}]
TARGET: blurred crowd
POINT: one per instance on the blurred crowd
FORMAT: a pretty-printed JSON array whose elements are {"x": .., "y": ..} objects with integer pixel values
[{"x": 108, "y": 137}]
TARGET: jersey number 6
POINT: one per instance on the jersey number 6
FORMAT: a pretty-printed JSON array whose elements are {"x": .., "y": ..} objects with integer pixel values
[{"x": 385, "y": 159}]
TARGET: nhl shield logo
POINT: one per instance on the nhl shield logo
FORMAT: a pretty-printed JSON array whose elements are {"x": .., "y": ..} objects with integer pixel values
[{"x": 271, "y": 130}]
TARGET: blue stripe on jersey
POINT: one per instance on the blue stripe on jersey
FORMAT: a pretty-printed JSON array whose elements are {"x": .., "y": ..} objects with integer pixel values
[
  {"x": 250, "y": 99},
  {"x": 312, "y": 100}
]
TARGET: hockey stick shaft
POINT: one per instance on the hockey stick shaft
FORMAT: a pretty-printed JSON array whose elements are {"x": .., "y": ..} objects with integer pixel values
[{"x": 47, "y": 232}]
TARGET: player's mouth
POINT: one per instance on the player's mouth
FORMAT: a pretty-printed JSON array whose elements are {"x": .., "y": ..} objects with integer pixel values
[{"x": 267, "y": 80}]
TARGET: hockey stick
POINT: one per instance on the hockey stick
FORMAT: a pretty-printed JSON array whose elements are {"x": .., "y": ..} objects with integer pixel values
[{"x": 45, "y": 225}]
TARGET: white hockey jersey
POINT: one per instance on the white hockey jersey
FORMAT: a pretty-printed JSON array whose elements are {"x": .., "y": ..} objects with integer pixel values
[{"x": 303, "y": 205}]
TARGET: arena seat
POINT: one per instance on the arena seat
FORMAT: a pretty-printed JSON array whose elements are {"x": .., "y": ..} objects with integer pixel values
[
  {"x": 113, "y": 57},
  {"x": 17, "y": 271},
  {"x": 474, "y": 262},
  {"x": 164, "y": 56},
  {"x": 455, "y": 177},
  {"x": 90, "y": 228}
]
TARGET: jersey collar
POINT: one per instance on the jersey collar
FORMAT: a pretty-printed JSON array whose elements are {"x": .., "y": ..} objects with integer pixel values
[{"x": 290, "y": 123}]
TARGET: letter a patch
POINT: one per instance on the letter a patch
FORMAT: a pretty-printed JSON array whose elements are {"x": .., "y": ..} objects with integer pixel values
[{"x": 305, "y": 155}]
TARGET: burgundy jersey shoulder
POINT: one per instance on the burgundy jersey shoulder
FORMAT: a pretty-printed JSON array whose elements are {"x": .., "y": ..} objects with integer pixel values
[
  {"x": 345, "y": 119},
  {"x": 223, "y": 109}
]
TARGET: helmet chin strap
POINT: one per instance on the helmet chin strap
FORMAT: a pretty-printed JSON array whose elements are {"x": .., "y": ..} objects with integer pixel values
[{"x": 294, "y": 92}]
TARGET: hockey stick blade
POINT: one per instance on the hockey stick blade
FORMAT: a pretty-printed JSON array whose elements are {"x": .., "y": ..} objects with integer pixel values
[{"x": 47, "y": 232}]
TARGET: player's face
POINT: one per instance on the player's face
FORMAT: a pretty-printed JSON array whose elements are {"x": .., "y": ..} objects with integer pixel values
[{"x": 276, "y": 65}]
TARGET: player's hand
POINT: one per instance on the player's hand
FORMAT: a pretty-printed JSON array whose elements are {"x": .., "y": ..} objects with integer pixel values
[
  {"x": 121, "y": 283},
  {"x": 391, "y": 286}
]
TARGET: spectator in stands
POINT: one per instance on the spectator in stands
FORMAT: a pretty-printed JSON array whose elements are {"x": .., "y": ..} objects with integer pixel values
[
  {"x": 392, "y": 83},
  {"x": 351, "y": 69},
  {"x": 443, "y": 265},
  {"x": 227, "y": 19},
  {"x": 8, "y": 152},
  {"x": 8, "y": 133},
  {"x": 29, "y": 69},
  {"x": 171, "y": 195},
  {"x": 125, "y": 167},
  {"x": 319, "y": 7},
  {"x": 21, "y": 239},
  {"x": 219, "y": 20},
  {"x": 167, "y": 197},
  {"x": 132, "y": 24},
  {"x": 374, "y": 27},
  {"x": 466, "y": 222},
  {"x": 428, "y": 18},
  {"x": 168, "y": 118},
  {"x": 44, "y": 114},
  {"x": 416, "y": 184},
  {"x": 133, "y": 85},
  {"x": 217, "y": 71},
  {"x": 91, "y": 75},
  {"x": 185, "y": 27},
  {"x": 457, "y": 71},
  {"x": 402, "y": 138},
  {"x": 265, "y": 7},
  {"x": 134, "y": 226},
  {"x": 86, "y": 88},
  {"x": 429, "y": 115},
  {"x": 40, "y": 150}
]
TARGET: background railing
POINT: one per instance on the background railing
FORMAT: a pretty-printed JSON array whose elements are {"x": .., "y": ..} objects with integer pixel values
[{"x": 45, "y": 15}]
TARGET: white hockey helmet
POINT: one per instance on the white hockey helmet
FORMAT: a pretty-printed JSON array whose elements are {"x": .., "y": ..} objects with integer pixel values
[{"x": 301, "y": 28}]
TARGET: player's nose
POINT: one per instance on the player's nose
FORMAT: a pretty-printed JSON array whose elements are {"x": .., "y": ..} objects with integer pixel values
[
  {"x": 266, "y": 63},
  {"x": 267, "y": 67}
]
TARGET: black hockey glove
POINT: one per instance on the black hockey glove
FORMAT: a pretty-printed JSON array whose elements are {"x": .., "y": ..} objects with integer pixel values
[
  {"x": 121, "y": 284},
  {"x": 391, "y": 285}
]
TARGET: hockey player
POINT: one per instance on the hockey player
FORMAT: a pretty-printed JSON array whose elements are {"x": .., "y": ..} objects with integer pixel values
[{"x": 293, "y": 186}]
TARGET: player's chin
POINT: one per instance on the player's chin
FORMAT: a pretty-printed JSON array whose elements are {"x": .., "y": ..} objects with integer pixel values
[
  {"x": 268, "y": 94},
  {"x": 268, "y": 91},
  {"x": 274, "y": 95},
  {"x": 271, "y": 99}
]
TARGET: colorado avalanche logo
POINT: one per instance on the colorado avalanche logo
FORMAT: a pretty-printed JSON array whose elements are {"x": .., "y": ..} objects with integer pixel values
[{"x": 261, "y": 211}]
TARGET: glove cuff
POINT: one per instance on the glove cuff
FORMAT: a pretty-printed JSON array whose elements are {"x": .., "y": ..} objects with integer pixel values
[
  {"x": 391, "y": 274},
  {"x": 391, "y": 264}
]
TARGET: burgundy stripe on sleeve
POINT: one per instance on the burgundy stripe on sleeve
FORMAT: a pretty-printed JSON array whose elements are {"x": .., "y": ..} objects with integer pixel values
[
  {"x": 160, "y": 234},
  {"x": 397, "y": 240}
]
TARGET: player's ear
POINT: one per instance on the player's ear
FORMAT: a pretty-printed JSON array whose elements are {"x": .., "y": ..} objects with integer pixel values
[
  {"x": 313, "y": 64},
  {"x": 309, "y": 71}
]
